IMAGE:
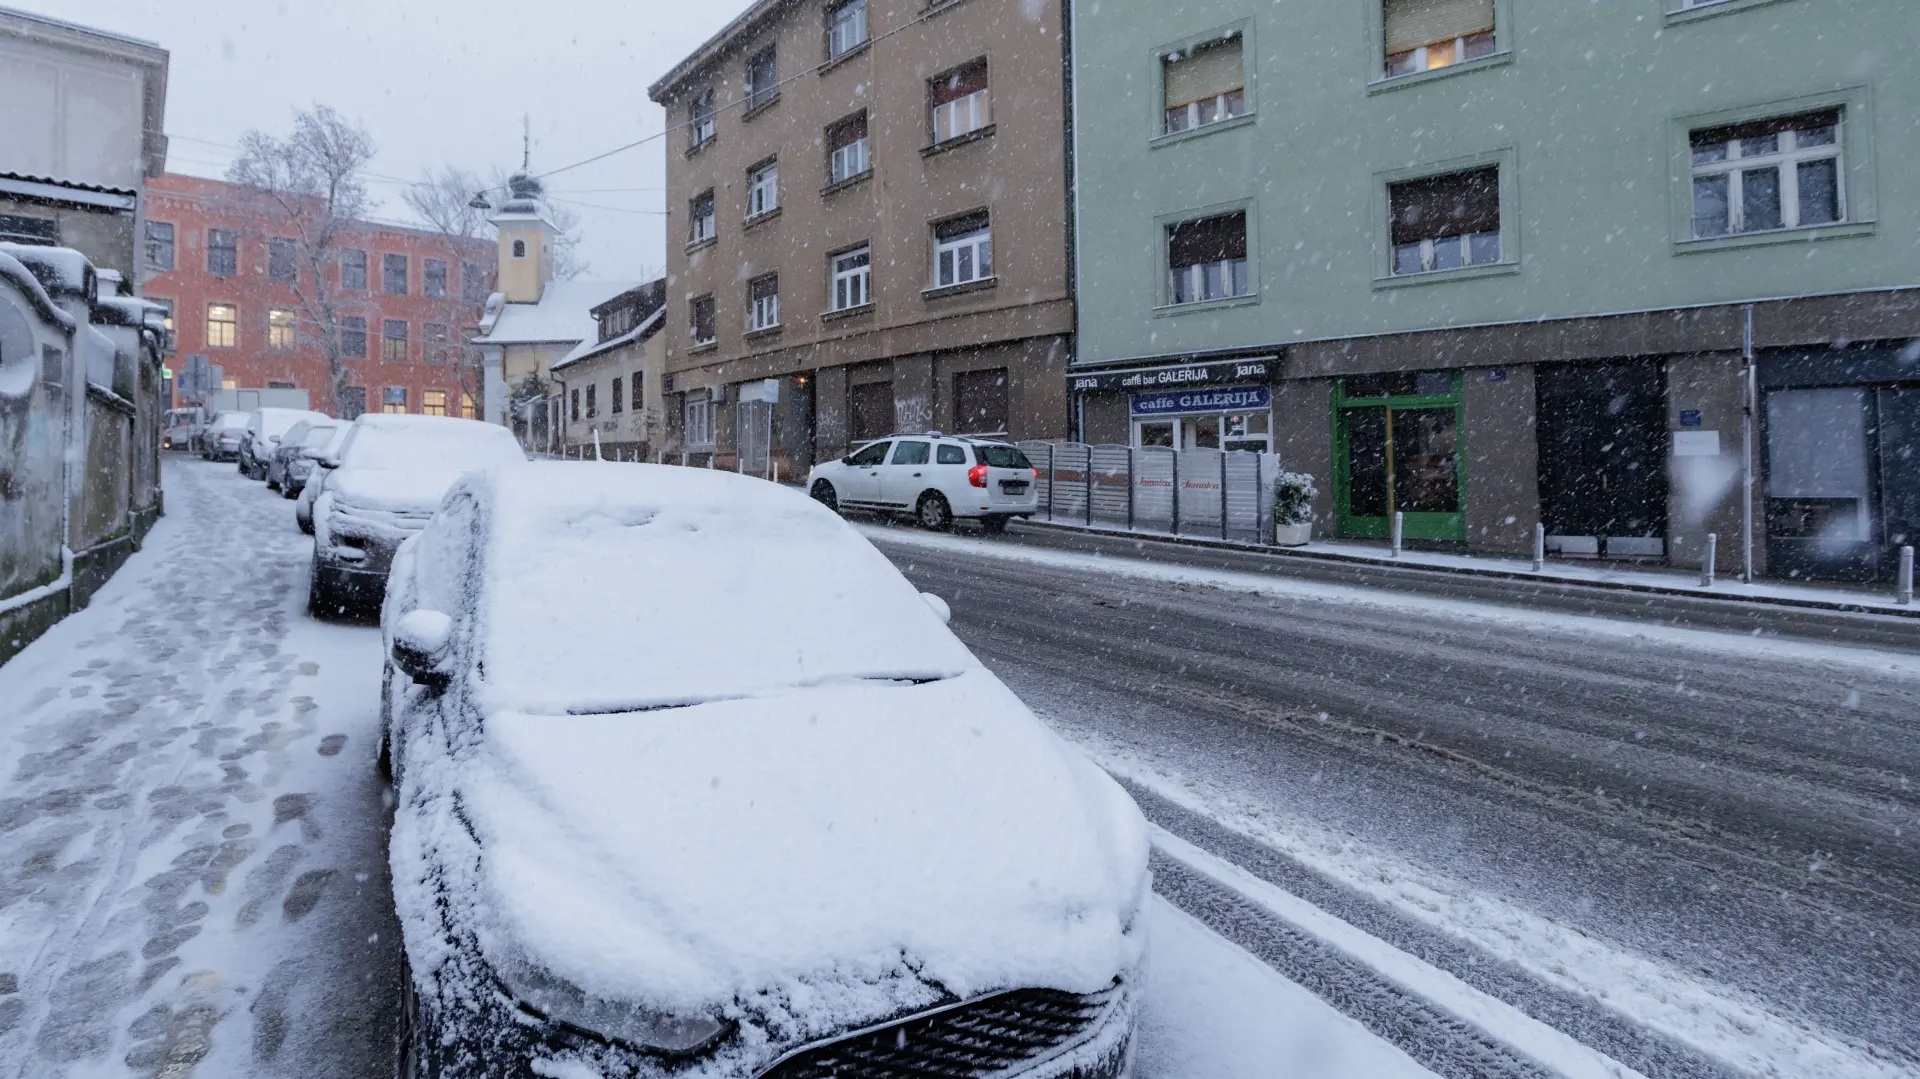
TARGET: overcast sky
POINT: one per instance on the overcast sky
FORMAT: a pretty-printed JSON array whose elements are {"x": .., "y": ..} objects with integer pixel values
[{"x": 436, "y": 82}]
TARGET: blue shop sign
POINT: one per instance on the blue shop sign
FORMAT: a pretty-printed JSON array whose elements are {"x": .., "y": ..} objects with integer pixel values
[{"x": 1179, "y": 402}]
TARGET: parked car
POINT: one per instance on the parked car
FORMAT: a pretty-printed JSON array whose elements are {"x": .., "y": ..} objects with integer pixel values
[
  {"x": 182, "y": 429},
  {"x": 934, "y": 477},
  {"x": 691, "y": 781},
  {"x": 324, "y": 462},
  {"x": 265, "y": 428},
  {"x": 220, "y": 439},
  {"x": 392, "y": 471},
  {"x": 292, "y": 458}
]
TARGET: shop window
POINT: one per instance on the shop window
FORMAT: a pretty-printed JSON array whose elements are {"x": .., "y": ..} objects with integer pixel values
[
  {"x": 1422, "y": 35},
  {"x": 958, "y": 102},
  {"x": 1446, "y": 222},
  {"x": 980, "y": 401},
  {"x": 1773, "y": 174},
  {"x": 1203, "y": 85}
]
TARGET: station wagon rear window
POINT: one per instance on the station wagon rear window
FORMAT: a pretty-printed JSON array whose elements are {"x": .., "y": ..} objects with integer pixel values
[{"x": 1002, "y": 457}]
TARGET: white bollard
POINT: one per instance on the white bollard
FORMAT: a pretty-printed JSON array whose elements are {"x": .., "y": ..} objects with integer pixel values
[
  {"x": 1706, "y": 564},
  {"x": 1399, "y": 522},
  {"x": 1906, "y": 575},
  {"x": 1539, "y": 547}
]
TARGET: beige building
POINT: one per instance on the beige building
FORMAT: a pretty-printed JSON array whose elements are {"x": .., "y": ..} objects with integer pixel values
[
  {"x": 533, "y": 321},
  {"x": 609, "y": 384},
  {"x": 867, "y": 206}
]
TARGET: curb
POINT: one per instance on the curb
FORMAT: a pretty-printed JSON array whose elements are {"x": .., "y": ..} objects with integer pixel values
[{"x": 1280, "y": 553}]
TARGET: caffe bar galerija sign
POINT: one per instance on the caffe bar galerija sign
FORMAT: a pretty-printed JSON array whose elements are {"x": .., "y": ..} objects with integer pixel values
[{"x": 1175, "y": 376}]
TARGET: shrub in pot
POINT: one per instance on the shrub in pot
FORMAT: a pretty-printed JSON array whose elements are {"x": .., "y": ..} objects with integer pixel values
[{"x": 1292, "y": 508}]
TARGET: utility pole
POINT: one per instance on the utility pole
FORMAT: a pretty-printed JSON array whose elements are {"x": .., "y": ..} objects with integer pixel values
[{"x": 1749, "y": 387}]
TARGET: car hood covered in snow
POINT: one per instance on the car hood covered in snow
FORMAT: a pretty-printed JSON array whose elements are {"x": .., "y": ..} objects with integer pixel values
[
  {"x": 418, "y": 489},
  {"x": 834, "y": 854}
]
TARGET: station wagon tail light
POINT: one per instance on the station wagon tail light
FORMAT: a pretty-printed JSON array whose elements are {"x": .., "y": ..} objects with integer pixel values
[
  {"x": 977, "y": 475},
  {"x": 1036, "y": 473}
]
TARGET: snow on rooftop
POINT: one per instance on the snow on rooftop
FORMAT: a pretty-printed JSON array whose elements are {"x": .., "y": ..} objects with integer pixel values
[
  {"x": 564, "y": 314},
  {"x": 61, "y": 269},
  {"x": 591, "y": 347}
]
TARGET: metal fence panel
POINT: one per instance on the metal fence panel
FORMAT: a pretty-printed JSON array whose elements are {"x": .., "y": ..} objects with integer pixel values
[
  {"x": 1069, "y": 486},
  {"x": 1200, "y": 493},
  {"x": 1041, "y": 454},
  {"x": 1243, "y": 494},
  {"x": 1112, "y": 485},
  {"x": 1153, "y": 475}
]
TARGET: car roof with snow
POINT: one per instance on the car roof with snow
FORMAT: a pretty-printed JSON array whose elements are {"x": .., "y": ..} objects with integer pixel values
[{"x": 615, "y": 587}]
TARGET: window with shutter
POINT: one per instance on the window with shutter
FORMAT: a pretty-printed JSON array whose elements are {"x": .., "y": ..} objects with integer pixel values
[
  {"x": 847, "y": 154},
  {"x": 1424, "y": 34},
  {"x": 958, "y": 100},
  {"x": 1204, "y": 85},
  {"x": 1445, "y": 222},
  {"x": 1207, "y": 259}
]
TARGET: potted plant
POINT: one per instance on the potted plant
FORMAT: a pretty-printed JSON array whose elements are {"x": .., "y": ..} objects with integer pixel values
[{"x": 1292, "y": 509}]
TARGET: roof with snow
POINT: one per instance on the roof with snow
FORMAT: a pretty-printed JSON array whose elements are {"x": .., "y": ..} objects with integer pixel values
[
  {"x": 16, "y": 273},
  {"x": 586, "y": 350},
  {"x": 564, "y": 315}
]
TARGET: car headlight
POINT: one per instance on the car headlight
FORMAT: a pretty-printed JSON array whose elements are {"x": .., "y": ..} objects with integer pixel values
[{"x": 560, "y": 1000}]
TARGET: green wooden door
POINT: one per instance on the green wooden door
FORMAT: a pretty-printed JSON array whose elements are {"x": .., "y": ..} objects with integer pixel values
[{"x": 1399, "y": 444}]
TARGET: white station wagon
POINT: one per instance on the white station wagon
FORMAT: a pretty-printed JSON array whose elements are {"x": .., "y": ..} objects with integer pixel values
[{"x": 934, "y": 477}]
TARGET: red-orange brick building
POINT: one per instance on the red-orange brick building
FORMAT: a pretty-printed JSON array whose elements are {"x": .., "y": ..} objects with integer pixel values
[{"x": 416, "y": 295}]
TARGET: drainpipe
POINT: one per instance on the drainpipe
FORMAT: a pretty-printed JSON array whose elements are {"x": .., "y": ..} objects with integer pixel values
[{"x": 1749, "y": 387}]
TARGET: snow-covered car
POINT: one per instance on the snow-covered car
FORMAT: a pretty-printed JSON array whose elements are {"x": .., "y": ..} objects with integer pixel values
[
  {"x": 182, "y": 429},
  {"x": 934, "y": 477},
  {"x": 391, "y": 472},
  {"x": 691, "y": 782},
  {"x": 220, "y": 439},
  {"x": 265, "y": 428},
  {"x": 292, "y": 459}
]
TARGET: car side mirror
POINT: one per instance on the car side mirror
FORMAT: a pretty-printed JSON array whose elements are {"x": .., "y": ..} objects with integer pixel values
[
  {"x": 420, "y": 640},
  {"x": 273, "y": 438},
  {"x": 847, "y": 460},
  {"x": 939, "y": 607}
]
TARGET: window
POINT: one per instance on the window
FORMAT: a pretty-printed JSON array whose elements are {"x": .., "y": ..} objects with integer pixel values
[
  {"x": 949, "y": 454},
  {"x": 1207, "y": 259},
  {"x": 394, "y": 400},
  {"x": 980, "y": 401},
  {"x": 1769, "y": 175},
  {"x": 21, "y": 229},
  {"x": 433, "y": 402},
  {"x": 573, "y": 406},
  {"x": 870, "y": 456},
  {"x": 700, "y": 225},
  {"x": 962, "y": 251},
  {"x": 700, "y": 119},
  {"x": 519, "y": 249},
  {"x": 223, "y": 325},
  {"x": 1204, "y": 85},
  {"x": 1445, "y": 222},
  {"x": 433, "y": 274},
  {"x": 701, "y": 323},
  {"x": 353, "y": 337},
  {"x": 851, "y": 280},
  {"x": 763, "y": 302},
  {"x": 911, "y": 452},
  {"x": 473, "y": 283},
  {"x": 393, "y": 274},
  {"x": 167, "y": 319},
  {"x": 280, "y": 259},
  {"x": 468, "y": 410},
  {"x": 353, "y": 270},
  {"x": 593, "y": 407},
  {"x": 700, "y": 423},
  {"x": 639, "y": 395},
  {"x": 615, "y": 404},
  {"x": 160, "y": 245},
  {"x": 223, "y": 252},
  {"x": 847, "y": 154},
  {"x": 1422, "y": 35},
  {"x": 434, "y": 342},
  {"x": 763, "y": 189},
  {"x": 870, "y": 411},
  {"x": 280, "y": 329},
  {"x": 763, "y": 85},
  {"x": 846, "y": 28},
  {"x": 393, "y": 341},
  {"x": 959, "y": 102}
]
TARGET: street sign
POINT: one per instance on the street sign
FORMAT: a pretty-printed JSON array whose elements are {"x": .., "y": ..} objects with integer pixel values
[
  {"x": 1178, "y": 402},
  {"x": 1254, "y": 369}
]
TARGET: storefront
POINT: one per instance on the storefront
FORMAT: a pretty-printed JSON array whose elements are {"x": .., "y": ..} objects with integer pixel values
[
  {"x": 1399, "y": 446},
  {"x": 1222, "y": 405}
]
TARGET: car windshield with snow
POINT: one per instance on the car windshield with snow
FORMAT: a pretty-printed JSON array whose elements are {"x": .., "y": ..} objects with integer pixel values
[
  {"x": 392, "y": 471},
  {"x": 623, "y": 847}
]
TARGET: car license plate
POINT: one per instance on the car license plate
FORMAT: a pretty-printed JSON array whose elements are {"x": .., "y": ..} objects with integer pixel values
[{"x": 1014, "y": 487}]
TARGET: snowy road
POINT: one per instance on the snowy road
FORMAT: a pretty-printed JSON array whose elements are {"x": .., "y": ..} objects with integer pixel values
[
  {"x": 193, "y": 843},
  {"x": 1694, "y": 850}
]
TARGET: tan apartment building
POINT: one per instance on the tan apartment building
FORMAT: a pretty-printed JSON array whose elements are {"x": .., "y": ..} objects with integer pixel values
[{"x": 867, "y": 228}]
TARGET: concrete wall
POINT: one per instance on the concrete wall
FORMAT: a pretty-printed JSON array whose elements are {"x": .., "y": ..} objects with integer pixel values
[
  {"x": 78, "y": 103},
  {"x": 1704, "y": 492},
  {"x": 1594, "y": 145},
  {"x": 1502, "y": 498},
  {"x": 1303, "y": 437}
]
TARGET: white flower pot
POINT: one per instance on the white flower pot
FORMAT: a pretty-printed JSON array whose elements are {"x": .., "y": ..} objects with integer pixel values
[{"x": 1292, "y": 535}]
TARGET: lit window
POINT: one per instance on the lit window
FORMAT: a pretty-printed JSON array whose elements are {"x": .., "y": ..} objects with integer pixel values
[
  {"x": 394, "y": 400},
  {"x": 433, "y": 402},
  {"x": 1425, "y": 34},
  {"x": 467, "y": 409},
  {"x": 1204, "y": 85},
  {"x": 1445, "y": 222},
  {"x": 280, "y": 329},
  {"x": 962, "y": 251},
  {"x": 223, "y": 325},
  {"x": 851, "y": 279},
  {"x": 1207, "y": 259},
  {"x": 1774, "y": 174},
  {"x": 959, "y": 102}
]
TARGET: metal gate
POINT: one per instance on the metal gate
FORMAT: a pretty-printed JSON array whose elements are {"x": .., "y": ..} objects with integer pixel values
[{"x": 1205, "y": 493}]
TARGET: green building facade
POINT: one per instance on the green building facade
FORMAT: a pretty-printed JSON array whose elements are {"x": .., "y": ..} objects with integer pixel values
[{"x": 1498, "y": 263}]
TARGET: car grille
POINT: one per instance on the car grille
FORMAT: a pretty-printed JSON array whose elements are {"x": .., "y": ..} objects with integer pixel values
[{"x": 979, "y": 1038}]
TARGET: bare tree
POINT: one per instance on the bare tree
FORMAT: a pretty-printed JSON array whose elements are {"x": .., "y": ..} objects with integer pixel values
[
  {"x": 310, "y": 182},
  {"x": 443, "y": 201}
]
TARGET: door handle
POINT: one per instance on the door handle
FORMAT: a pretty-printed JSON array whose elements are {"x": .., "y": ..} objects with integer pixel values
[{"x": 916, "y": 475}]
